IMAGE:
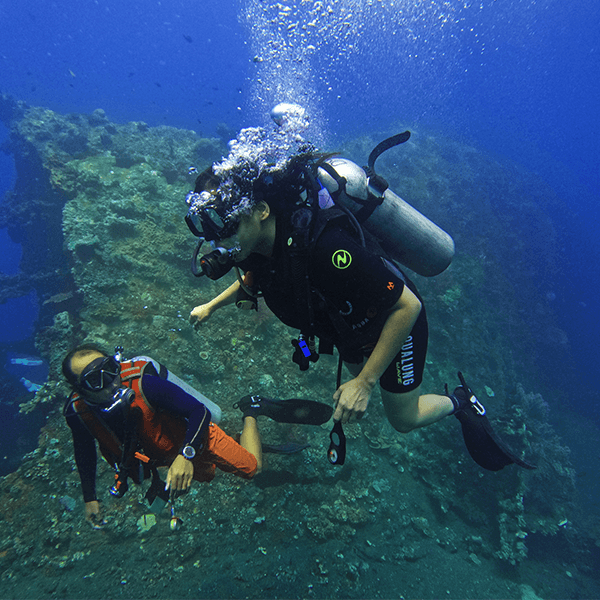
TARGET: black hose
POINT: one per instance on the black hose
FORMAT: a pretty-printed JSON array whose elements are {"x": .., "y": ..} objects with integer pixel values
[{"x": 395, "y": 140}]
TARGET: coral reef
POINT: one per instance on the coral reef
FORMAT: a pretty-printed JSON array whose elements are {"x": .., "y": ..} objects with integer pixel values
[{"x": 99, "y": 209}]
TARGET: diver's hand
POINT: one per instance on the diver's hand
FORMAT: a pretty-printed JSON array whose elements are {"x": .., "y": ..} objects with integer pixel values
[
  {"x": 181, "y": 472},
  {"x": 352, "y": 399},
  {"x": 93, "y": 516},
  {"x": 200, "y": 314}
]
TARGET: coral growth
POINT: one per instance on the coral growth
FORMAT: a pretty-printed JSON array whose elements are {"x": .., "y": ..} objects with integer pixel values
[{"x": 99, "y": 208}]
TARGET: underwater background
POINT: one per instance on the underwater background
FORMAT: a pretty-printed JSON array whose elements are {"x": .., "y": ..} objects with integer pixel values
[{"x": 502, "y": 98}]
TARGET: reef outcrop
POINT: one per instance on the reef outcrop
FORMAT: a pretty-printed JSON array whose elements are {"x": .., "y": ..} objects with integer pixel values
[{"x": 99, "y": 208}]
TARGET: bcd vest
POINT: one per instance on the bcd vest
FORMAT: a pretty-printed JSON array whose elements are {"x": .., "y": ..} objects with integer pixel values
[
  {"x": 306, "y": 297},
  {"x": 159, "y": 435}
]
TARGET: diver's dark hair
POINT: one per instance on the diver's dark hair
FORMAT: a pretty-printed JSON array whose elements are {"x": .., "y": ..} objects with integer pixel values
[
  {"x": 206, "y": 180},
  {"x": 281, "y": 189},
  {"x": 83, "y": 350}
]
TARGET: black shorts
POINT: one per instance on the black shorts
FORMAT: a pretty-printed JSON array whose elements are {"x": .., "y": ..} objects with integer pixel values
[{"x": 405, "y": 372}]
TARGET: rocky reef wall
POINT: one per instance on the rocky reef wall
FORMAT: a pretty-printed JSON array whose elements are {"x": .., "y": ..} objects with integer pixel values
[{"x": 99, "y": 210}]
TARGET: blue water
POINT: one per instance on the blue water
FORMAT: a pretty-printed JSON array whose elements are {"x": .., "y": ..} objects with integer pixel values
[{"x": 517, "y": 79}]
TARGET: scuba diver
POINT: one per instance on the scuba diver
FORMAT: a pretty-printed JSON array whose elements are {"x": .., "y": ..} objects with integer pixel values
[
  {"x": 144, "y": 417},
  {"x": 281, "y": 216}
]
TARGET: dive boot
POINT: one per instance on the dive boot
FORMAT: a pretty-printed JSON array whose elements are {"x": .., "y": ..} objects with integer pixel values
[
  {"x": 295, "y": 410},
  {"x": 485, "y": 446}
]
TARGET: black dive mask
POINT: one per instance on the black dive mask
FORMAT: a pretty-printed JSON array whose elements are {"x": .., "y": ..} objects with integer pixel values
[
  {"x": 208, "y": 222},
  {"x": 207, "y": 216},
  {"x": 210, "y": 225},
  {"x": 103, "y": 374},
  {"x": 99, "y": 374}
]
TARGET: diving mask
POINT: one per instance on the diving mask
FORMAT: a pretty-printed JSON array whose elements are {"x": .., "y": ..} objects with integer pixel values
[
  {"x": 209, "y": 215},
  {"x": 208, "y": 221},
  {"x": 99, "y": 374},
  {"x": 103, "y": 374}
]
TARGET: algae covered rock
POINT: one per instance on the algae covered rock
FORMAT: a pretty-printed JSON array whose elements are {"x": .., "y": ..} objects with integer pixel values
[{"x": 99, "y": 207}]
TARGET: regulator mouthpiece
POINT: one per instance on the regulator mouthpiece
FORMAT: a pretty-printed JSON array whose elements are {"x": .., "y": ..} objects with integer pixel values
[
  {"x": 123, "y": 396},
  {"x": 215, "y": 264}
]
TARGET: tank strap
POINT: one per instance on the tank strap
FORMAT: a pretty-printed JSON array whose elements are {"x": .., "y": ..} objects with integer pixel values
[
  {"x": 341, "y": 181},
  {"x": 368, "y": 207}
]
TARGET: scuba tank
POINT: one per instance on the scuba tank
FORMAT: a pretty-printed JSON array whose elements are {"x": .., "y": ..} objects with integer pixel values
[
  {"x": 402, "y": 231},
  {"x": 215, "y": 411}
]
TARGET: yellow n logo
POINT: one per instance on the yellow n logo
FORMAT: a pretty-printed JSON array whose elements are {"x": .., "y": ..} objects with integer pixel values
[{"x": 341, "y": 259}]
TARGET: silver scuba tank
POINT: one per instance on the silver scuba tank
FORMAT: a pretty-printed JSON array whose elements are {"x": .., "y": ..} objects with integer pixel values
[
  {"x": 215, "y": 411},
  {"x": 402, "y": 231}
]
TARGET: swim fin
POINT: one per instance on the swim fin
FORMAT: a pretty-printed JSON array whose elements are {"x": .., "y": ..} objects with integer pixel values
[
  {"x": 295, "y": 410},
  {"x": 485, "y": 446}
]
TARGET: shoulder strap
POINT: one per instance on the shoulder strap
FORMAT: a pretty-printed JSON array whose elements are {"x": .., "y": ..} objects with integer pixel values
[
  {"x": 300, "y": 252},
  {"x": 132, "y": 373},
  {"x": 153, "y": 367},
  {"x": 132, "y": 369}
]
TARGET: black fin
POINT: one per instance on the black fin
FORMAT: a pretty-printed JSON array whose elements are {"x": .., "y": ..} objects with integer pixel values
[
  {"x": 486, "y": 447},
  {"x": 294, "y": 410}
]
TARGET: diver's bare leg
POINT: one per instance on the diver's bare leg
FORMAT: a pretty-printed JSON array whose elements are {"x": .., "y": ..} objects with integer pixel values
[
  {"x": 412, "y": 410},
  {"x": 250, "y": 440}
]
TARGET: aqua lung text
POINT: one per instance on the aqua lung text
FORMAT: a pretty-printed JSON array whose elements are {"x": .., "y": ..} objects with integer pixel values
[{"x": 405, "y": 366}]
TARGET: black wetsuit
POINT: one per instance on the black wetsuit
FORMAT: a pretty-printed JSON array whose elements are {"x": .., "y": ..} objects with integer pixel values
[
  {"x": 162, "y": 395},
  {"x": 350, "y": 293}
]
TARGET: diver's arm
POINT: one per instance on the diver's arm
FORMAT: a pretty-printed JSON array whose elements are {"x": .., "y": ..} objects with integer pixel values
[
  {"x": 93, "y": 515},
  {"x": 353, "y": 396},
  {"x": 169, "y": 397},
  {"x": 396, "y": 329},
  {"x": 202, "y": 312},
  {"x": 84, "y": 450},
  {"x": 180, "y": 475}
]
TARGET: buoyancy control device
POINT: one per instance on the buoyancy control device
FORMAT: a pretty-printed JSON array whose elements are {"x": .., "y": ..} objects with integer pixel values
[{"x": 133, "y": 462}]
